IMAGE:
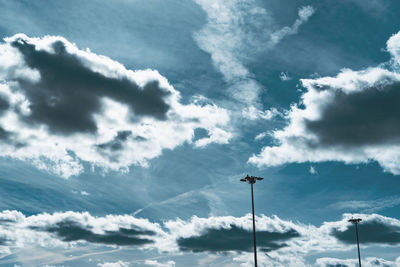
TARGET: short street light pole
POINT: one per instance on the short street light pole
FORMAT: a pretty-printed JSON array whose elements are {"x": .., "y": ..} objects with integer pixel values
[
  {"x": 252, "y": 180},
  {"x": 356, "y": 221}
]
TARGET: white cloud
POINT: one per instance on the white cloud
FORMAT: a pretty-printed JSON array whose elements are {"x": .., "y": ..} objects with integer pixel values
[
  {"x": 159, "y": 264},
  {"x": 350, "y": 118},
  {"x": 367, "y": 262},
  {"x": 58, "y": 231},
  {"x": 117, "y": 141},
  {"x": 305, "y": 13},
  {"x": 114, "y": 264},
  {"x": 370, "y": 205},
  {"x": 260, "y": 136},
  {"x": 313, "y": 170},
  {"x": 235, "y": 32},
  {"x": 393, "y": 46},
  {"x": 252, "y": 113},
  {"x": 265, "y": 260},
  {"x": 284, "y": 76},
  {"x": 197, "y": 226}
]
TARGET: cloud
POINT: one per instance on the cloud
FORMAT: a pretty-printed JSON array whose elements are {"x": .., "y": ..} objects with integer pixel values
[
  {"x": 367, "y": 262},
  {"x": 159, "y": 264},
  {"x": 67, "y": 106},
  {"x": 114, "y": 264},
  {"x": 253, "y": 113},
  {"x": 370, "y": 205},
  {"x": 284, "y": 76},
  {"x": 260, "y": 136},
  {"x": 313, "y": 170},
  {"x": 373, "y": 229},
  {"x": 234, "y": 239},
  {"x": 84, "y": 193},
  {"x": 353, "y": 117},
  {"x": 266, "y": 260},
  {"x": 221, "y": 234},
  {"x": 280, "y": 242},
  {"x": 305, "y": 13},
  {"x": 235, "y": 32},
  {"x": 373, "y": 7},
  {"x": 69, "y": 93},
  {"x": 71, "y": 228},
  {"x": 72, "y": 231}
]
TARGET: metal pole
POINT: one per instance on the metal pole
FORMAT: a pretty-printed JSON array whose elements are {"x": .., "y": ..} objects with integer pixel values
[
  {"x": 356, "y": 221},
  {"x": 252, "y": 180},
  {"x": 358, "y": 245},
  {"x": 254, "y": 227}
]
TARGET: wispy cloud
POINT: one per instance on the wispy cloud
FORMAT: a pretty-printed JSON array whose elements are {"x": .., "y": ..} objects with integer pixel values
[
  {"x": 235, "y": 32},
  {"x": 305, "y": 13},
  {"x": 114, "y": 264},
  {"x": 253, "y": 113},
  {"x": 368, "y": 206},
  {"x": 313, "y": 170},
  {"x": 284, "y": 76}
]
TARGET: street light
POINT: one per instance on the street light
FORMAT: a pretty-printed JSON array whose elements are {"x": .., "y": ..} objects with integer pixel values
[
  {"x": 356, "y": 221},
  {"x": 252, "y": 180}
]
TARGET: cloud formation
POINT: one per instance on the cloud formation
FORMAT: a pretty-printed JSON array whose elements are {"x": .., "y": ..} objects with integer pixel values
[
  {"x": 368, "y": 206},
  {"x": 69, "y": 93},
  {"x": 227, "y": 233},
  {"x": 235, "y": 32},
  {"x": 353, "y": 117},
  {"x": 373, "y": 229},
  {"x": 367, "y": 262},
  {"x": 234, "y": 238},
  {"x": 72, "y": 231},
  {"x": 70, "y": 228},
  {"x": 280, "y": 242},
  {"x": 65, "y": 106}
]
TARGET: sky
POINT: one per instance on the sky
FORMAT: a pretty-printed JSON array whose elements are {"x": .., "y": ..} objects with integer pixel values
[{"x": 126, "y": 126}]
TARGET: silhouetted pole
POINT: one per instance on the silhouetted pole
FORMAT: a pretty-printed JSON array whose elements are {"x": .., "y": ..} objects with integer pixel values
[
  {"x": 252, "y": 180},
  {"x": 356, "y": 221}
]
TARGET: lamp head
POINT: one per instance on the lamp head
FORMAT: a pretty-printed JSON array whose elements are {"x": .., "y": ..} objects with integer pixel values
[
  {"x": 355, "y": 221},
  {"x": 251, "y": 179}
]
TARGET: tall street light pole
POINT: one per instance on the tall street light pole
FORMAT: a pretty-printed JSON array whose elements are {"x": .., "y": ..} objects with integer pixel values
[
  {"x": 252, "y": 180},
  {"x": 356, "y": 221}
]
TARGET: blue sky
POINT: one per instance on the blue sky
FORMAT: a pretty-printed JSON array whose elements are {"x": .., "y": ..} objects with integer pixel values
[{"x": 125, "y": 127}]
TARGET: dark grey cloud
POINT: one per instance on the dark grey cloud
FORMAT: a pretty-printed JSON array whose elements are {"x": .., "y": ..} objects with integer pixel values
[
  {"x": 3, "y": 241},
  {"x": 4, "y": 104},
  {"x": 9, "y": 138},
  {"x": 68, "y": 93},
  {"x": 4, "y": 135},
  {"x": 54, "y": 92},
  {"x": 367, "y": 117},
  {"x": 373, "y": 231},
  {"x": 117, "y": 143},
  {"x": 73, "y": 231},
  {"x": 235, "y": 239}
]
